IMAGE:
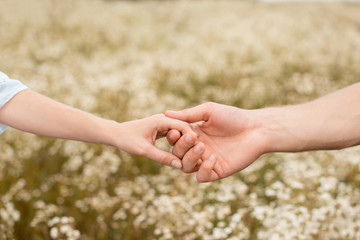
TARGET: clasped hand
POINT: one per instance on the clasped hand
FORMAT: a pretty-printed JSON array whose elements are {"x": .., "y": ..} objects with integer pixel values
[{"x": 211, "y": 139}]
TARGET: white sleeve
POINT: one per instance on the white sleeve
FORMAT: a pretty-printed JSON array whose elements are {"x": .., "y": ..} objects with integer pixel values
[{"x": 8, "y": 89}]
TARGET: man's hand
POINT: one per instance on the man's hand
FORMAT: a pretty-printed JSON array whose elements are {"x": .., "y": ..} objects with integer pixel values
[
  {"x": 232, "y": 137},
  {"x": 188, "y": 148}
]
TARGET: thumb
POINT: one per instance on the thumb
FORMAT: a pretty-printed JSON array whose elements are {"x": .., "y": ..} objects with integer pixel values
[
  {"x": 195, "y": 114},
  {"x": 162, "y": 157}
]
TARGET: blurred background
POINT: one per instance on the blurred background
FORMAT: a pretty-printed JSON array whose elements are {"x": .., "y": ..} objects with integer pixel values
[{"x": 125, "y": 60}]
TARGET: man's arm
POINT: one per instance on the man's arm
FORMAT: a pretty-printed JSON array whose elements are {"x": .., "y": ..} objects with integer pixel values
[
  {"x": 237, "y": 137},
  {"x": 329, "y": 122}
]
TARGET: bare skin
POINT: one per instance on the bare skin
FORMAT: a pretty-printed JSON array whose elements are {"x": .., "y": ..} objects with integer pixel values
[
  {"x": 32, "y": 112},
  {"x": 234, "y": 138}
]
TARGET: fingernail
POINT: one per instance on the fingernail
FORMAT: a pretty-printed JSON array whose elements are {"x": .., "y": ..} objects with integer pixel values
[
  {"x": 197, "y": 148},
  {"x": 212, "y": 158},
  {"x": 189, "y": 139},
  {"x": 176, "y": 164}
]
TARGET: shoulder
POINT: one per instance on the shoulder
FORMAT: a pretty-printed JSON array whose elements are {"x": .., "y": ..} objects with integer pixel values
[
  {"x": 9, "y": 88},
  {"x": 3, "y": 78}
]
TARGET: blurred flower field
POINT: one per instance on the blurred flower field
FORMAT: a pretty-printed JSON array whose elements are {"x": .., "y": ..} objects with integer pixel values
[{"x": 127, "y": 60}]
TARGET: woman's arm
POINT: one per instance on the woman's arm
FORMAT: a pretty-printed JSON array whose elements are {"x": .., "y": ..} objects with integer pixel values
[{"x": 32, "y": 112}]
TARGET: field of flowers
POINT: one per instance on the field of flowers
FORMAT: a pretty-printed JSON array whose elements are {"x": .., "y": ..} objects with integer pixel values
[{"x": 127, "y": 60}]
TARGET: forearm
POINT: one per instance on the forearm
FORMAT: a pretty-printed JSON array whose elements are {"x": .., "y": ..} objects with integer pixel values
[
  {"x": 31, "y": 112},
  {"x": 330, "y": 122}
]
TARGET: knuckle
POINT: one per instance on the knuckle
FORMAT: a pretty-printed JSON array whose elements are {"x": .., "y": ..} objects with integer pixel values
[
  {"x": 186, "y": 170},
  {"x": 193, "y": 135},
  {"x": 210, "y": 104},
  {"x": 164, "y": 159},
  {"x": 158, "y": 116},
  {"x": 198, "y": 149}
]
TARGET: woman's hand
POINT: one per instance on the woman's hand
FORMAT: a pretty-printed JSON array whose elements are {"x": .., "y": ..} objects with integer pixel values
[
  {"x": 139, "y": 136},
  {"x": 32, "y": 112}
]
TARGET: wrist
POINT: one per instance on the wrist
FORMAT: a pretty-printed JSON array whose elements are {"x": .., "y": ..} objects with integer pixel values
[
  {"x": 279, "y": 128},
  {"x": 110, "y": 133}
]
